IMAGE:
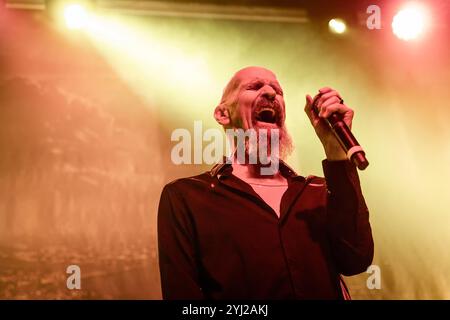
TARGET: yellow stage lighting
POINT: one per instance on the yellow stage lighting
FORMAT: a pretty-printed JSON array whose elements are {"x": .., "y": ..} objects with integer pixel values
[
  {"x": 337, "y": 26},
  {"x": 76, "y": 16}
]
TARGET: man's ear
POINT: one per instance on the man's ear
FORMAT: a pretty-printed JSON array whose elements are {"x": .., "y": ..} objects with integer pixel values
[{"x": 222, "y": 115}]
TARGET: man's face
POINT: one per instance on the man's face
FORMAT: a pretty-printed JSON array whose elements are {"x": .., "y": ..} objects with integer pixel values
[
  {"x": 254, "y": 100},
  {"x": 260, "y": 103}
]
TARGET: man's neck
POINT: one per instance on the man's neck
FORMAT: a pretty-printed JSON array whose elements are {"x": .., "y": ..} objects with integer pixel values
[{"x": 251, "y": 173}]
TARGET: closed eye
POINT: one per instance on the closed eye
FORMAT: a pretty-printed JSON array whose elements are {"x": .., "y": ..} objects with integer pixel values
[
  {"x": 277, "y": 89},
  {"x": 255, "y": 85},
  {"x": 259, "y": 84}
]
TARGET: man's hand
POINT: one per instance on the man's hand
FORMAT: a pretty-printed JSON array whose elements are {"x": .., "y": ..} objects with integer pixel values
[{"x": 327, "y": 104}]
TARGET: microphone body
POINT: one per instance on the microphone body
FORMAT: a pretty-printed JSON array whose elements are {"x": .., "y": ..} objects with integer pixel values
[{"x": 347, "y": 140}]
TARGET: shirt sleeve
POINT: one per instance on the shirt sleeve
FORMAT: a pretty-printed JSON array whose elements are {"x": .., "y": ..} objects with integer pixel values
[
  {"x": 348, "y": 224},
  {"x": 176, "y": 246}
]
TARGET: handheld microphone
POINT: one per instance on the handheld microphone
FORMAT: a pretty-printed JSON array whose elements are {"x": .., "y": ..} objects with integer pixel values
[{"x": 348, "y": 142}]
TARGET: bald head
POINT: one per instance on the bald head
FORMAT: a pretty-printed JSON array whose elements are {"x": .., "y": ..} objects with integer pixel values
[{"x": 242, "y": 75}]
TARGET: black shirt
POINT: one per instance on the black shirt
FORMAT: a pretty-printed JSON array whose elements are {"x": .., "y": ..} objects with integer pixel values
[{"x": 219, "y": 240}]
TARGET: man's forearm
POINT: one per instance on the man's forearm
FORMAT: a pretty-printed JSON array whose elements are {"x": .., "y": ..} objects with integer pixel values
[{"x": 347, "y": 218}]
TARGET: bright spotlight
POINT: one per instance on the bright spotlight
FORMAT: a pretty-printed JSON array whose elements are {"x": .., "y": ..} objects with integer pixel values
[
  {"x": 410, "y": 22},
  {"x": 75, "y": 16},
  {"x": 337, "y": 26}
]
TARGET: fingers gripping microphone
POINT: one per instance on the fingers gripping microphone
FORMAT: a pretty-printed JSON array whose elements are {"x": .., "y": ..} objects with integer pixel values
[{"x": 348, "y": 142}]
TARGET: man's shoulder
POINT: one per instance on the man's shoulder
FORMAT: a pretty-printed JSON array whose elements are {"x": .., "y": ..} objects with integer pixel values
[
  {"x": 311, "y": 180},
  {"x": 203, "y": 179},
  {"x": 315, "y": 181}
]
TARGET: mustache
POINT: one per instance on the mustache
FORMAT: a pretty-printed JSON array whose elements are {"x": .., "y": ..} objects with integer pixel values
[{"x": 263, "y": 102}]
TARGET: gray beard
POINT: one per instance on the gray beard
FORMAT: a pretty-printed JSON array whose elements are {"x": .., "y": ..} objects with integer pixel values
[{"x": 285, "y": 146}]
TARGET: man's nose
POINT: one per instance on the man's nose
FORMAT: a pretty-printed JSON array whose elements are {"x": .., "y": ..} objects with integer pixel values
[{"x": 269, "y": 92}]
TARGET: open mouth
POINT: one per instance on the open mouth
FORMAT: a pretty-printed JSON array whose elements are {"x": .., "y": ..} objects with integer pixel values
[{"x": 266, "y": 115}]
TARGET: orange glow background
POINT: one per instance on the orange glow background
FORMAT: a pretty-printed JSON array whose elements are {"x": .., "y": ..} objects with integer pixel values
[{"x": 85, "y": 125}]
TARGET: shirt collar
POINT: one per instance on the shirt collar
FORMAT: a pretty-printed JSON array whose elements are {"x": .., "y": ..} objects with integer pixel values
[{"x": 225, "y": 169}]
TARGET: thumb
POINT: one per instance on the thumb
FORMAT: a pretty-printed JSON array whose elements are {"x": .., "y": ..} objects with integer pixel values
[{"x": 308, "y": 108}]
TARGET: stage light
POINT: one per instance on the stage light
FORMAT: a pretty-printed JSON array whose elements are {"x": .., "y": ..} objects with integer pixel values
[
  {"x": 410, "y": 22},
  {"x": 75, "y": 16},
  {"x": 337, "y": 26}
]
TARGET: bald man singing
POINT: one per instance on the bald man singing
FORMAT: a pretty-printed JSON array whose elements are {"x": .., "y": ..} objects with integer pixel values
[{"x": 235, "y": 233}]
